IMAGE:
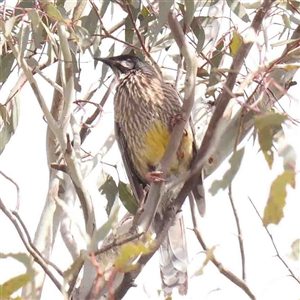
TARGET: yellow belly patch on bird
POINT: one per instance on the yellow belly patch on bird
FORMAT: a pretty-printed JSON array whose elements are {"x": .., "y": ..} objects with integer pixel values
[{"x": 156, "y": 139}]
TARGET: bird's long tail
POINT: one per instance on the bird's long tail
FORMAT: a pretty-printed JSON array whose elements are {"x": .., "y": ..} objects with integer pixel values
[{"x": 174, "y": 258}]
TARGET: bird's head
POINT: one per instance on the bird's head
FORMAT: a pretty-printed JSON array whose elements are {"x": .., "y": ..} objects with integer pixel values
[{"x": 123, "y": 63}]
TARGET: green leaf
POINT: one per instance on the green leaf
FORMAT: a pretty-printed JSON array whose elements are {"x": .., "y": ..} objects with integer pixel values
[
  {"x": 23, "y": 4},
  {"x": 9, "y": 24},
  {"x": 189, "y": 13},
  {"x": 197, "y": 27},
  {"x": 82, "y": 37},
  {"x": 6, "y": 62},
  {"x": 9, "y": 121},
  {"x": 37, "y": 28},
  {"x": 164, "y": 8},
  {"x": 90, "y": 22},
  {"x": 54, "y": 13},
  {"x": 273, "y": 212},
  {"x": 267, "y": 125},
  {"x": 216, "y": 59},
  {"x": 103, "y": 231},
  {"x": 23, "y": 38},
  {"x": 13, "y": 284},
  {"x": 237, "y": 7},
  {"x": 110, "y": 190},
  {"x": 127, "y": 198},
  {"x": 235, "y": 163},
  {"x": 129, "y": 29}
]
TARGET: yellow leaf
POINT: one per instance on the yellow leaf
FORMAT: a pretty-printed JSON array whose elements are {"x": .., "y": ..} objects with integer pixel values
[
  {"x": 273, "y": 212},
  {"x": 13, "y": 284},
  {"x": 235, "y": 42},
  {"x": 267, "y": 125}
]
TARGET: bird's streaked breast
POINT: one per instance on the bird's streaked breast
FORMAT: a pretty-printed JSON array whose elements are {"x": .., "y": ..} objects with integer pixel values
[{"x": 144, "y": 108}]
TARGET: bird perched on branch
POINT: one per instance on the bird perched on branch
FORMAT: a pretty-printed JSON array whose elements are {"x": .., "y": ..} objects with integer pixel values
[{"x": 145, "y": 109}]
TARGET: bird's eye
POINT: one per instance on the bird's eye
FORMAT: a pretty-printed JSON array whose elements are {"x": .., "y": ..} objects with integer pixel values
[{"x": 129, "y": 64}]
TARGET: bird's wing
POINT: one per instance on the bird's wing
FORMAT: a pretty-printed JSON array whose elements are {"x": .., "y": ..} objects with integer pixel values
[{"x": 135, "y": 182}]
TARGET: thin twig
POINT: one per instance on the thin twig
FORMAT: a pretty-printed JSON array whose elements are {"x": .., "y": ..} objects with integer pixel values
[
  {"x": 17, "y": 188},
  {"x": 240, "y": 236},
  {"x": 35, "y": 255},
  {"x": 108, "y": 33},
  {"x": 85, "y": 129},
  {"x": 128, "y": 8},
  {"x": 233, "y": 278},
  {"x": 55, "y": 267},
  {"x": 222, "y": 101},
  {"x": 155, "y": 191},
  {"x": 273, "y": 243},
  {"x": 121, "y": 240}
]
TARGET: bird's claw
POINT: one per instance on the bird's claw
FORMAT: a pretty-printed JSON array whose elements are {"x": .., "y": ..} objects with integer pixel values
[{"x": 155, "y": 176}]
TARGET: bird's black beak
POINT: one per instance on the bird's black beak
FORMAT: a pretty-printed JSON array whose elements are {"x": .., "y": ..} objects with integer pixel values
[
  {"x": 114, "y": 63},
  {"x": 106, "y": 61}
]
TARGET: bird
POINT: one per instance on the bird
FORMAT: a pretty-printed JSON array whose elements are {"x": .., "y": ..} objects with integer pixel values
[{"x": 145, "y": 111}]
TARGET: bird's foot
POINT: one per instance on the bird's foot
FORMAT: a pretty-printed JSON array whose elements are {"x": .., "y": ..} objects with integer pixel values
[{"x": 155, "y": 176}]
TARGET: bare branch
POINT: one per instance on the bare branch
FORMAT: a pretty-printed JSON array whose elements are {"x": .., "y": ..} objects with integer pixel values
[
  {"x": 233, "y": 278},
  {"x": 155, "y": 191},
  {"x": 240, "y": 236},
  {"x": 222, "y": 102},
  {"x": 274, "y": 245},
  {"x": 27, "y": 245},
  {"x": 17, "y": 188}
]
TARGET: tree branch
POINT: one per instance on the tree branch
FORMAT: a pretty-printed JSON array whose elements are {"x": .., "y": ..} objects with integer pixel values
[
  {"x": 233, "y": 278},
  {"x": 155, "y": 192},
  {"x": 39, "y": 259},
  {"x": 273, "y": 243},
  {"x": 240, "y": 235},
  {"x": 222, "y": 102}
]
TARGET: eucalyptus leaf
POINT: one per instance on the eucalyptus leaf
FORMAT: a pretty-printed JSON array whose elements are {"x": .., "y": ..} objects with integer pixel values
[
  {"x": 237, "y": 7},
  {"x": 6, "y": 62}
]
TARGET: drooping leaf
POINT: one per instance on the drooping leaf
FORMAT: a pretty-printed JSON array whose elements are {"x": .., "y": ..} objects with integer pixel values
[
  {"x": 267, "y": 125},
  {"x": 189, "y": 13},
  {"x": 127, "y": 198},
  {"x": 273, "y": 212},
  {"x": 9, "y": 121},
  {"x": 214, "y": 77},
  {"x": 9, "y": 24},
  {"x": 235, "y": 162},
  {"x": 6, "y": 62},
  {"x": 82, "y": 37},
  {"x": 23, "y": 36},
  {"x": 198, "y": 30},
  {"x": 164, "y": 8},
  {"x": 110, "y": 190},
  {"x": 134, "y": 7},
  {"x": 103, "y": 231},
  {"x": 90, "y": 22},
  {"x": 37, "y": 28},
  {"x": 54, "y": 13},
  {"x": 237, "y": 7}
]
